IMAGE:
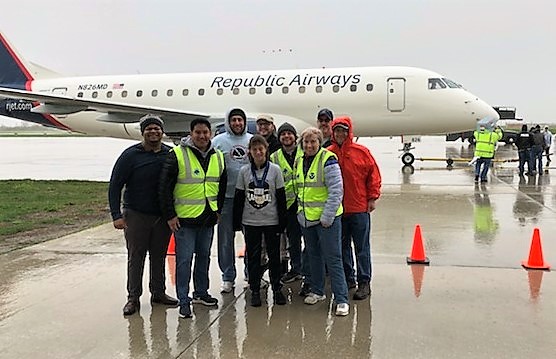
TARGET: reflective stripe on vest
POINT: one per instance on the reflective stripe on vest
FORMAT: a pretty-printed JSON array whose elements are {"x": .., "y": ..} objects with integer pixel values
[
  {"x": 311, "y": 190},
  {"x": 194, "y": 187},
  {"x": 287, "y": 171}
]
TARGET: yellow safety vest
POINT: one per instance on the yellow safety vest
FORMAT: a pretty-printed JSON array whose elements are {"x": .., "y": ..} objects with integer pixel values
[
  {"x": 311, "y": 191},
  {"x": 486, "y": 143},
  {"x": 195, "y": 187},
  {"x": 279, "y": 158}
]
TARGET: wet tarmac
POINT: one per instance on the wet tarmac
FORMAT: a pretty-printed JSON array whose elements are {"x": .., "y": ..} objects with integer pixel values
[{"x": 63, "y": 298}]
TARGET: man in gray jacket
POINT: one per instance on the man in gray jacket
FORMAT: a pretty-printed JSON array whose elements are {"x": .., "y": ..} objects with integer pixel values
[{"x": 234, "y": 144}]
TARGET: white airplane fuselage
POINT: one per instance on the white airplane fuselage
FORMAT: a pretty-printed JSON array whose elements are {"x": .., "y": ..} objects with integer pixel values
[{"x": 382, "y": 101}]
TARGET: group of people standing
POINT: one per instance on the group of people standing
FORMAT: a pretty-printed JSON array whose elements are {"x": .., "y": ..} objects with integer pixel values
[
  {"x": 270, "y": 186},
  {"x": 530, "y": 147}
]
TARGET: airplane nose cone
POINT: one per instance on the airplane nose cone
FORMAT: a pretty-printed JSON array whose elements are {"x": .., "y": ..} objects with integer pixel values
[{"x": 481, "y": 110}]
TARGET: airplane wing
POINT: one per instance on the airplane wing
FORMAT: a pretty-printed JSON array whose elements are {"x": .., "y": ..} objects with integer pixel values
[{"x": 108, "y": 111}]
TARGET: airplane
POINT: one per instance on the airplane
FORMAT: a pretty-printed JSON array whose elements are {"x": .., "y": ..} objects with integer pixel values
[{"x": 382, "y": 101}]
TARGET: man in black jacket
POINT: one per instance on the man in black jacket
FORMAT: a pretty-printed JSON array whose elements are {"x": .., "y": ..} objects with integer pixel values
[
  {"x": 524, "y": 143},
  {"x": 137, "y": 169},
  {"x": 192, "y": 189}
]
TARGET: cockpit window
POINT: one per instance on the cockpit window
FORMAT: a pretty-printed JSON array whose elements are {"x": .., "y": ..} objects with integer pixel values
[
  {"x": 451, "y": 84},
  {"x": 435, "y": 84}
]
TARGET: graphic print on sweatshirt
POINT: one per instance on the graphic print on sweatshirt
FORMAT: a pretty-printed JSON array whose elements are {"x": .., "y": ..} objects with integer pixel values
[{"x": 258, "y": 197}]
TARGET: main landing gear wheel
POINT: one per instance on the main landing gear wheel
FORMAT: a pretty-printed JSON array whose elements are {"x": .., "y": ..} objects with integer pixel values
[{"x": 408, "y": 158}]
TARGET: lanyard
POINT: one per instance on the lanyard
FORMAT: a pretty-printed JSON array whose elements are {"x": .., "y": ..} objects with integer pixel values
[{"x": 259, "y": 183}]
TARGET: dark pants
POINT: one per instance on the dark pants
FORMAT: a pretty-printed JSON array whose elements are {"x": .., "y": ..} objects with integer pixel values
[
  {"x": 254, "y": 236},
  {"x": 293, "y": 229},
  {"x": 145, "y": 233},
  {"x": 525, "y": 157}
]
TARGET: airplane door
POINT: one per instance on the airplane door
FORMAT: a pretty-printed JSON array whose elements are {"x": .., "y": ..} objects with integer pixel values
[{"x": 396, "y": 94}]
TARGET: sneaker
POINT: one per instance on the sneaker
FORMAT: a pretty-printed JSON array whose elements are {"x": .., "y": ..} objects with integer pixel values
[
  {"x": 476, "y": 179},
  {"x": 342, "y": 309},
  {"x": 226, "y": 287},
  {"x": 305, "y": 289},
  {"x": 256, "y": 299},
  {"x": 205, "y": 300},
  {"x": 362, "y": 291},
  {"x": 313, "y": 298},
  {"x": 185, "y": 311},
  {"x": 484, "y": 180},
  {"x": 279, "y": 298},
  {"x": 351, "y": 284},
  {"x": 291, "y": 277}
]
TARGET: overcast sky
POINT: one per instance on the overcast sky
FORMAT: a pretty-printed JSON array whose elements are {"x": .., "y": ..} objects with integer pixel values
[{"x": 503, "y": 51}]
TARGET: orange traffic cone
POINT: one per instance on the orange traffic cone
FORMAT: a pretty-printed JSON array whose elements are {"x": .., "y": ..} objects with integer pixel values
[
  {"x": 535, "y": 281},
  {"x": 417, "y": 252},
  {"x": 172, "y": 246},
  {"x": 417, "y": 272},
  {"x": 535, "y": 260}
]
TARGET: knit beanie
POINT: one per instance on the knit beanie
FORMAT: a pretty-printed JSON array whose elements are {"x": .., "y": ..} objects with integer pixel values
[
  {"x": 149, "y": 120},
  {"x": 286, "y": 127},
  {"x": 237, "y": 112}
]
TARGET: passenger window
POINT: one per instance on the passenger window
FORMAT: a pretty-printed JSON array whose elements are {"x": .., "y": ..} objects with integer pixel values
[
  {"x": 318, "y": 89},
  {"x": 169, "y": 92},
  {"x": 353, "y": 88},
  {"x": 139, "y": 93},
  {"x": 335, "y": 88},
  {"x": 301, "y": 89},
  {"x": 235, "y": 91},
  {"x": 80, "y": 94},
  {"x": 201, "y": 92},
  {"x": 369, "y": 87},
  {"x": 285, "y": 89},
  {"x": 124, "y": 93},
  {"x": 185, "y": 92},
  {"x": 268, "y": 90},
  {"x": 109, "y": 94},
  {"x": 252, "y": 90},
  {"x": 154, "y": 93},
  {"x": 95, "y": 94},
  {"x": 219, "y": 92}
]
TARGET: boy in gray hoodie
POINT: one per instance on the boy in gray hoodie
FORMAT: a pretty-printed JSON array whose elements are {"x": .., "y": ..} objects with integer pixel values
[{"x": 234, "y": 144}]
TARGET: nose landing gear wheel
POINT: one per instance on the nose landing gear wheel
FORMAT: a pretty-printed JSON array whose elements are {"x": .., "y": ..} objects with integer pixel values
[{"x": 408, "y": 158}]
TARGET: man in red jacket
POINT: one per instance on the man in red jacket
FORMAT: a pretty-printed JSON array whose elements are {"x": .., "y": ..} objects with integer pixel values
[{"x": 362, "y": 183}]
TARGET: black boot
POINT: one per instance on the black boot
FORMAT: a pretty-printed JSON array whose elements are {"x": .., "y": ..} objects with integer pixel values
[
  {"x": 256, "y": 299},
  {"x": 131, "y": 307}
]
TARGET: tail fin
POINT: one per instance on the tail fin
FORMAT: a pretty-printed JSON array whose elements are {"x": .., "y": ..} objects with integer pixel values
[{"x": 15, "y": 71}]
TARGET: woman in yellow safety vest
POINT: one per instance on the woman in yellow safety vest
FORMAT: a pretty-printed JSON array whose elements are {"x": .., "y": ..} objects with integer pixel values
[{"x": 319, "y": 188}]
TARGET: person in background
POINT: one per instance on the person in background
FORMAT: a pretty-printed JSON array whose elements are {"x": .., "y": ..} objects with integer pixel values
[
  {"x": 234, "y": 144},
  {"x": 537, "y": 150},
  {"x": 524, "y": 142},
  {"x": 324, "y": 118},
  {"x": 362, "y": 182},
  {"x": 137, "y": 170},
  {"x": 192, "y": 188},
  {"x": 548, "y": 142},
  {"x": 485, "y": 146},
  {"x": 286, "y": 157},
  {"x": 318, "y": 182},
  {"x": 265, "y": 128},
  {"x": 260, "y": 207}
]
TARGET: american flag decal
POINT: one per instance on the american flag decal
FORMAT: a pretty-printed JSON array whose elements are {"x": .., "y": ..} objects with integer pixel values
[{"x": 117, "y": 86}]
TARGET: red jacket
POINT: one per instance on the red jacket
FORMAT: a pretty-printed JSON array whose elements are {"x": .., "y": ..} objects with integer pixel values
[{"x": 360, "y": 172}]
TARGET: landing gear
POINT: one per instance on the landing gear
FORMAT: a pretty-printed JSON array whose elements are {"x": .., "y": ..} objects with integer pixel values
[{"x": 407, "y": 157}]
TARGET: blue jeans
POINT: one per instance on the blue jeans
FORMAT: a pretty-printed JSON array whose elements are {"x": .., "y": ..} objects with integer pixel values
[
  {"x": 192, "y": 240},
  {"x": 226, "y": 236},
  {"x": 357, "y": 227},
  {"x": 485, "y": 163},
  {"x": 324, "y": 246},
  {"x": 524, "y": 157},
  {"x": 536, "y": 158},
  {"x": 293, "y": 229}
]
